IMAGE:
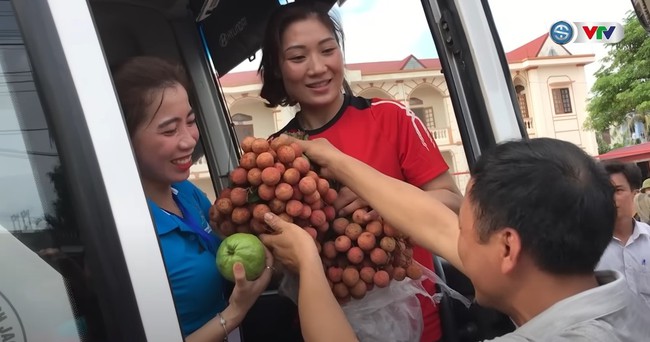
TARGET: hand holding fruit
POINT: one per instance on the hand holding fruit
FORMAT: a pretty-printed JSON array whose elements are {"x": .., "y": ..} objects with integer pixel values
[
  {"x": 246, "y": 292},
  {"x": 319, "y": 151},
  {"x": 347, "y": 202},
  {"x": 290, "y": 244},
  {"x": 357, "y": 249}
]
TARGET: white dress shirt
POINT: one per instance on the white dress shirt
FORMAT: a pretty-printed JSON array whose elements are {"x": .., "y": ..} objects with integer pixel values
[
  {"x": 632, "y": 260},
  {"x": 607, "y": 313}
]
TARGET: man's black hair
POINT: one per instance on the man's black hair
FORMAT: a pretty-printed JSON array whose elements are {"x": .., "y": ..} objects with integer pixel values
[
  {"x": 558, "y": 198},
  {"x": 630, "y": 171}
]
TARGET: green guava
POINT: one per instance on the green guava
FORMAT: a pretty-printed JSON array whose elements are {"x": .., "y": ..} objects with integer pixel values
[{"x": 244, "y": 248}]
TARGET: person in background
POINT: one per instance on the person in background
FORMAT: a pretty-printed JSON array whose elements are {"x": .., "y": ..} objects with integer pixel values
[
  {"x": 528, "y": 237},
  {"x": 642, "y": 203},
  {"x": 163, "y": 132},
  {"x": 302, "y": 64},
  {"x": 628, "y": 250}
]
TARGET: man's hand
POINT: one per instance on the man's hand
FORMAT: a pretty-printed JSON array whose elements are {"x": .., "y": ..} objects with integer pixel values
[
  {"x": 319, "y": 151},
  {"x": 290, "y": 244}
]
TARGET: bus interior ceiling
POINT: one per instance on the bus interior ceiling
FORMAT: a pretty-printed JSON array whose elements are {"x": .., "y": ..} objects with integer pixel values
[
  {"x": 130, "y": 28},
  {"x": 138, "y": 27}
]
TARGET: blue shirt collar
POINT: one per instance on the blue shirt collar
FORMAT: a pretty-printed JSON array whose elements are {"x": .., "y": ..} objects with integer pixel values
[{"x": 164, "y": 221}]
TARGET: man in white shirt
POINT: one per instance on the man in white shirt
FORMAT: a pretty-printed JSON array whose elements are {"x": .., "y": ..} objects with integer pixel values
[
  {"x": 536, "y": 218},
  {"x": 629, "y": 250},
  {"x": 642, "y": 203}
]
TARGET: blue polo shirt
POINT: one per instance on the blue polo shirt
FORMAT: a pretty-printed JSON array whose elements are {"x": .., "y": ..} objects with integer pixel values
[{"x": 196, "y": 284}]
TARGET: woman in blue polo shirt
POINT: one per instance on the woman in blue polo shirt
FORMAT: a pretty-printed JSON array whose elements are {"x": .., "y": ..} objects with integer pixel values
[{"x": 163, "y": 132}]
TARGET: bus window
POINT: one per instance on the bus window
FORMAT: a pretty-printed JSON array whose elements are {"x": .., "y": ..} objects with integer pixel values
[
  {"x": 200, "y": 176},
  {"x": 408, "y": 72},
  {"x": 46, "y": 292},
  {"x": 461, "y": 101},
  {"x": 128, "y": 31}
]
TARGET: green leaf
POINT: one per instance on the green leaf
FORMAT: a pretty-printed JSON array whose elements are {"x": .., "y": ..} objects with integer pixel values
[{"x": 253, "y": 196}]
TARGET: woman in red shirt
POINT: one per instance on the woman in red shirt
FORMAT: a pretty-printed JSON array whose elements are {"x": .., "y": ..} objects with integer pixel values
[{"x": 302, "y": 64}]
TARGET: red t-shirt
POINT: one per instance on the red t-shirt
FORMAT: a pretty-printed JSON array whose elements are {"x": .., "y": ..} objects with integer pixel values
[{"x": 391, "y": 139}]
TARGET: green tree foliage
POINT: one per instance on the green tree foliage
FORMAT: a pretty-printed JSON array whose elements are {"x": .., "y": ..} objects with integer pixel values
[
  {"x": 603, "y": 147},
  {"x": 64, "y": 218},
  {"x": 621, "y": 85}
]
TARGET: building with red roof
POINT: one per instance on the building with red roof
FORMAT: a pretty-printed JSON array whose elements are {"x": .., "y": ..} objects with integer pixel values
[{"x": 549, "y": 81}]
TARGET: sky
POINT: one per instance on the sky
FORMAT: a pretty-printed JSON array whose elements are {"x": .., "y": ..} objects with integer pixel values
[{"x": 380, "y": 30}]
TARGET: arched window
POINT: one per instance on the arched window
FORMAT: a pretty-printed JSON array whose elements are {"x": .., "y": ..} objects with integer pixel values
[
  {"x": 241, "y": 118},
  {"x": 243, "y": 126},
  {"x": 425, "y": 113},
  {"x": 520, "y": 90},
  {"x": 373, "y": 92},
  {"x": 414, "y": 101}
]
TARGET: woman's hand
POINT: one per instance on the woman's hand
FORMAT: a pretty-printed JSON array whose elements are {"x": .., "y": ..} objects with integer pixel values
[
  {"x": 347, "y": 202},
  {"x": 291, "y": 245},
  {"x": 241, "y": 300},
  {"x": 246, "y": 292}
]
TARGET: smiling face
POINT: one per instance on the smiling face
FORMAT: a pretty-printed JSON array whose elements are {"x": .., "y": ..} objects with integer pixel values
[
  {"x": 311, "y": 63},
  {"x": 165, "y": 140}
]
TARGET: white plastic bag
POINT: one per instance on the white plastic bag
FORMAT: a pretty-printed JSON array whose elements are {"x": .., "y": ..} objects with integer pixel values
[{"x": 390, "y": 314}]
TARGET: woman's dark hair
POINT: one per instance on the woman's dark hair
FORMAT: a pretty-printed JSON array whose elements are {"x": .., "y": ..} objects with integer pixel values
[
  {"x": 272, "y": 86},
  {"x": 137, "y": 80}
]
